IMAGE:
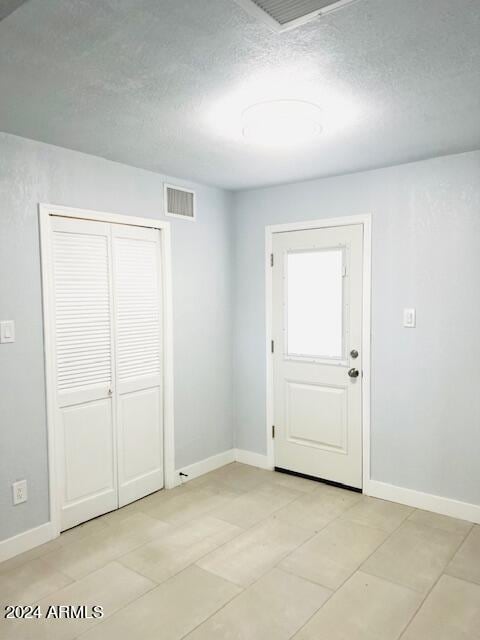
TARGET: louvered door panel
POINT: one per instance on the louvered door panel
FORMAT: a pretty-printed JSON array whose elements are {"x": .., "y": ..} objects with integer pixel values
[
  {"x": 82, "y": 311},
  {"x": 84, "y": 377},
  {"x": 137, "y": 308},
  {"x": 138, "y": 331}
]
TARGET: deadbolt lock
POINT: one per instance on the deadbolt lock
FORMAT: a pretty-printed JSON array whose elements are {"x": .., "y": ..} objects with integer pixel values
[{"x": 354, "y": 353}]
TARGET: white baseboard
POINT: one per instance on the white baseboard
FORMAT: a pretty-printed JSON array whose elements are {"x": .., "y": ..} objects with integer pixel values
[
  {"x": 252, "y": 458},
  {"x": 445, "y": 506},
  {"x": 376, "y": 489},
  {"x": 25, "y": 541},
  {"x": 220, "y": 460},
  {"x": 204, "y": 466},
  {"x": 426, "y": 501}
]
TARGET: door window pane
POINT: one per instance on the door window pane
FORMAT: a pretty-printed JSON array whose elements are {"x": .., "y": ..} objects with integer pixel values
[{"x": 315, "y": 303}]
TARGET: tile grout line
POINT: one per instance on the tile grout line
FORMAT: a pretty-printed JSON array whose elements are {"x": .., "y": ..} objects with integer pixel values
[
  {"x": 471, "y": 582},
  {"x": 118, "y": 610},
  {"x": 215, "y": 612},
  {"x": 261, "y": 519},
  {"x": 417, "y": 610},
  {"x": 242, "y": 587},
  {"x": 348, "y": 578},
  {"x": 332, "y": 591},
  {"x": 173, "y": 528},
  {"x": 275, "y": 566},
  {"x": 317, "y": 531},
  {"x": 213, "y": 509},
  {"x": 107, "y": 525},
  {"x": 359, "y": 569},
  {"x": 99, "y": 621},
  {"x": 156, "y": 585},
  {"x": 242, "y": 530}
]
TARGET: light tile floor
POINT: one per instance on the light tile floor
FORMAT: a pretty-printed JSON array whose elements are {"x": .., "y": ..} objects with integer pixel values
[{"x": 247, "y": 554}]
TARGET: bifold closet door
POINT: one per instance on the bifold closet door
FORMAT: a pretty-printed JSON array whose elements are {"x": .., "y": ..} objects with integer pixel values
[
  {"x": 138, "y": 356},
  {"x": 85, "y": 439},
  {"x": 107, "y": 326}
]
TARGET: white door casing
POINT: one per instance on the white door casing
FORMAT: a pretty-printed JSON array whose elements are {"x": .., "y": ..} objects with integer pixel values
[
  {"x": 317, "y": 307},
  {"x": 103, "y": 283}
]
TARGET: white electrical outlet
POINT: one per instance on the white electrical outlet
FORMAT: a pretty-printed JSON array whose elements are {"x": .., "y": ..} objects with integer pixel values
[{"x": 19, "y": 491}]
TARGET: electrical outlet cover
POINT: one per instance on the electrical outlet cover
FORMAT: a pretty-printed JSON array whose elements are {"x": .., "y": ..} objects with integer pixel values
[{"x": 19, "y": 492}]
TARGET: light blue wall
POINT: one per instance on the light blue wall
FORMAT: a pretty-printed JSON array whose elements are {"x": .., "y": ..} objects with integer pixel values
[
  {"x": 426, "y": 254},
  {"x": 32, "y": 172}
]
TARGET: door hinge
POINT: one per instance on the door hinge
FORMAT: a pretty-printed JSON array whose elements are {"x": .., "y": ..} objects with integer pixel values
[
  {"x": 273, "y": 431},
  {"x": 271, "y": 259},
  {"x": 273, "y": 346}
]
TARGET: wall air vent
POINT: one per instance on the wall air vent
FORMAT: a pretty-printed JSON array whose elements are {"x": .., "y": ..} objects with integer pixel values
[
  {"x": 281, "y": 15},
  {"x": 179, "y": 202}
]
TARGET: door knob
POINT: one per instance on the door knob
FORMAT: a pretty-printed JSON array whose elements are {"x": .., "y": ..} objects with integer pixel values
[{"x": 353, "y": 373}]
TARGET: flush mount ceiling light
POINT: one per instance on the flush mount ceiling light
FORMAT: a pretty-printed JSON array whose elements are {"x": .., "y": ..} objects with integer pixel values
[{"x": 281, "y": 122}]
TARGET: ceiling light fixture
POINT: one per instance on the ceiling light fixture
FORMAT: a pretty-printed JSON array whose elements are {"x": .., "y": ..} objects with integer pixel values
[{"x": 281, "y": 122}]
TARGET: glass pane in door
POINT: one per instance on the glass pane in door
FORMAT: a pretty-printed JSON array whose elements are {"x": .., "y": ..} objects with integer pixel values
[{"x": 315, "y": 303}]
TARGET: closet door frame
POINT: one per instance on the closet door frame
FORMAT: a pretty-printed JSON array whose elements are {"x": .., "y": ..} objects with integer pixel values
[{"x": 46, "y": 212}]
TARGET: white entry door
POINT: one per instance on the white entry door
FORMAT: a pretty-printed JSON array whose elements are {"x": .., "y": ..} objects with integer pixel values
[
  {"x": 107, "y": 336},
  {"x": 317, "y": 359}
]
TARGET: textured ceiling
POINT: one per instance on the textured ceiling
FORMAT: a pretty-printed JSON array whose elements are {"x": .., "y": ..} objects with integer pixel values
[{"x": 161, "y": 84}]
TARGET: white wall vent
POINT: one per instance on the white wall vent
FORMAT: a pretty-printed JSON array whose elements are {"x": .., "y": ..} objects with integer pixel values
[
  {"x": 179, "y": 202},
  {"x": 281, "y": 15}
]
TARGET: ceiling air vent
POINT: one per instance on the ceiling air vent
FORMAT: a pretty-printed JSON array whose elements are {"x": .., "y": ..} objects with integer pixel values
[
  {"x": 281, "y": 15},
  {"x": 179, "y": 202}
]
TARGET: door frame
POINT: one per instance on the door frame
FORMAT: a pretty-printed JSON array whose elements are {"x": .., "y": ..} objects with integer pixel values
[
  {"x": 366, "y": 221},
  {"x": 45, "y": 213}
]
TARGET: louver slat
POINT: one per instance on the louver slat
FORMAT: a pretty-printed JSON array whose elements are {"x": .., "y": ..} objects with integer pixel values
[
  {"x": 82, "y": 310},
  {"x": 286, "y": 14},
  {"x": 137, "y": 308},
  {"x": 179, "y": 202},
  {"x": 286, "y": 11}
]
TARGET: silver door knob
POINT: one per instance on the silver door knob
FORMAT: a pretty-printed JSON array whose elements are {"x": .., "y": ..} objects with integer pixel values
[{"x": 353, "y": 373}]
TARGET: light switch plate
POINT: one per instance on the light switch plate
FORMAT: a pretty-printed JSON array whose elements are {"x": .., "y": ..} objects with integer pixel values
[
  {"x": 7, "y": 331},
  {"x": 409, "y": 318}
]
